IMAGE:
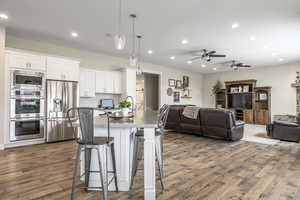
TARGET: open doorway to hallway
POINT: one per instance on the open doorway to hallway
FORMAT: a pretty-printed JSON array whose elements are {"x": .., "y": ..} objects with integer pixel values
[{"x": 147, "y": 91}]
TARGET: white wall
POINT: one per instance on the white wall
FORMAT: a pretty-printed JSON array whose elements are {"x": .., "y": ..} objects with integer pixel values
[
  {"x": 103, "y": 62},
  {"x": 280, "y": 78},
  {"x": 2, "y": 88}
]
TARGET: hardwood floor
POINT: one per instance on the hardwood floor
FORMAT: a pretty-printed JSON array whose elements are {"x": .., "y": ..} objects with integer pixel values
[{"x": 196, "y": 168}]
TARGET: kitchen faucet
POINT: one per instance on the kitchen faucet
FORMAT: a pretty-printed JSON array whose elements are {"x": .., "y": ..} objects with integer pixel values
[{"x": 132, "y": 102}]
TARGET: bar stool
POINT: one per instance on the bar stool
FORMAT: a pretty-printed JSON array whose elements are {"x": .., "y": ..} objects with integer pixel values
[
  {"x": 86, "y": 143},
  {"x": 139, "y": 141}
]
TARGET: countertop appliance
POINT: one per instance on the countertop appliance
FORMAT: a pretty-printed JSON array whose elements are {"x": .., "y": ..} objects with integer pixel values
[
  {"x": 107, "y": 104},
  {"x": 60, "y": 96}
]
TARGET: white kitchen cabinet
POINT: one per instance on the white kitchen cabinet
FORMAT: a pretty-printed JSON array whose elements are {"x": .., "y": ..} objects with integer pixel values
[
  {"x": 118, "y": 82},
  {"x": 104, "y": 82},
  {"x": 62, "y": 69},
  {"x": 87, "y": 83},
  {"x": 23, "y": 60},
  {"x": 109, "y": 82}
]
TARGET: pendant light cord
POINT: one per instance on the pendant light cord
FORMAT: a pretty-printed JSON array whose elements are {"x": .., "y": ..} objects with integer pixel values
[
  {"x": 133, "y": 36},
  {"x": 120, "y": 17},
  {"x": 139, "y": 51}
]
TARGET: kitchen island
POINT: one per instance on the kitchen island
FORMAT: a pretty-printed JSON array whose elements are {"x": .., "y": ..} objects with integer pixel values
[{"x": 123, "y": 133}]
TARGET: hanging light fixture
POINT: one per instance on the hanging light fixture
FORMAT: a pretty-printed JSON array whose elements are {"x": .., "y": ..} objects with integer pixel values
[
  {"x": 139, "y": 69},
  {"x": 133, "y": 58},
  {"x": 120, "y": 39}
]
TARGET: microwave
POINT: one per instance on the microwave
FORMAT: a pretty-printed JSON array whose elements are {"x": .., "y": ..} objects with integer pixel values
[{"x": 22, "y": 79}]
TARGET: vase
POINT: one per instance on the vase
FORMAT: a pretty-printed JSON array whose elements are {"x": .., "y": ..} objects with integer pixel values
[{"x": 125, "y": 111}]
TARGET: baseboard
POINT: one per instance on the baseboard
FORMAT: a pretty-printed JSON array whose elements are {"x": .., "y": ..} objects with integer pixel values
[
  {"x": 1, "y": 146},
  {"x": 24, "y": 143}
]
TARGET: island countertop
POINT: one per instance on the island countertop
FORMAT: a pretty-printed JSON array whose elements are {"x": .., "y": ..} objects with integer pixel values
[{"x": 141, "y": 119}]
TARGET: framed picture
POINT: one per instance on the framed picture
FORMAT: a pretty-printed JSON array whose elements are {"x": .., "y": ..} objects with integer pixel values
[
  {"x": 185, "y": 82},
  {"x": 176, "y": 96},
  {"x": 186, "y": 93},
  {"x": 178, "y": 84},
  {"x": 172, "y": 82}
]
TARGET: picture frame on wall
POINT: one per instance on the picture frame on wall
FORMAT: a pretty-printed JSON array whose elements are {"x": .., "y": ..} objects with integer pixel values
[
  {"x": 185, "y": 82},
  {"x": 178, "y": 84},
  {"x": 176, "y": 97},
  {"x": 172, "y": 82}
]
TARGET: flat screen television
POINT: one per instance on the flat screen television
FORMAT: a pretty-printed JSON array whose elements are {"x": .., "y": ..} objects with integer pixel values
[{"x": 240, "y": 101}]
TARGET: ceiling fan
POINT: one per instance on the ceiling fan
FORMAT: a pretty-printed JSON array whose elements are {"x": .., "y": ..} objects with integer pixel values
[
  {"x": 235, "y": 66},
  {"x": 206, "y": 55}
]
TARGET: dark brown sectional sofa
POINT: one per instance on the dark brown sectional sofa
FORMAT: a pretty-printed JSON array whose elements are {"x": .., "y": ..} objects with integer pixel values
[{"x": 210, "y": 122}]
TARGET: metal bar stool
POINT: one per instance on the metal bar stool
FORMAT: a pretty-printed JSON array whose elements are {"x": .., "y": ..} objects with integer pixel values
[
  {"x": 86, "y": 143},
  {"x": 139, "y": 141}
]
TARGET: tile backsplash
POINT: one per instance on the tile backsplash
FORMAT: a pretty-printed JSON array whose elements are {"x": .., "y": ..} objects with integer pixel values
[{"x": 94, "y": 101}]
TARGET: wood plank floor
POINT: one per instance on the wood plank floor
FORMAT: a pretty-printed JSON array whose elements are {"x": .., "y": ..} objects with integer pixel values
[{"x": 196, "y": 168}]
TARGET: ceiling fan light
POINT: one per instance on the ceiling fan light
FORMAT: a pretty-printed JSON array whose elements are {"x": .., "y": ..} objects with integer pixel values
[{"x": 120, "y": 42}]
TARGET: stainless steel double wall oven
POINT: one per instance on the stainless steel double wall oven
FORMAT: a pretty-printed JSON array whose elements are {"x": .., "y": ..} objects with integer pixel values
[{"x": 27, "y": 105}]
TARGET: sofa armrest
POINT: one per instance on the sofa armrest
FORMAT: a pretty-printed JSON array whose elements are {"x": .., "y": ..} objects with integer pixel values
[
  {"x": 239, "y": 123},
  {"x": 284, "y": 123},
  {"x": 237, "y": 131}
]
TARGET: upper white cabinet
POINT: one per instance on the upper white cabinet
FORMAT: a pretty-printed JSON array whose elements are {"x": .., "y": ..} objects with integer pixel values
[
  {"x": 109, "y": 82},
  {"x": 22, "y": 60},
  {"x": 118, "y": 82},
  {"x": 87, "y": 83},
  {"x": 62, "y": 69}
]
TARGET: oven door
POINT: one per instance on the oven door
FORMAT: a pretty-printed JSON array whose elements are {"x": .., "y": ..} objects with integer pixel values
[
  {"x": 27, "y": 79},
  {"x": 24, "y": 129},
  {"x": 27, "y": 107}
]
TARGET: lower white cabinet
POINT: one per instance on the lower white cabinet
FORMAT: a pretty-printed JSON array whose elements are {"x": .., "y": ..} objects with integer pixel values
[
  {"x": 62, "y": 69},
  {"x": 87, "y": 83}
]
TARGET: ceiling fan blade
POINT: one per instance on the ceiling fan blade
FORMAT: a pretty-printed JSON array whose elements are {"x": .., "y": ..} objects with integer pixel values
[
  {"x": 211, "y": 52},
  {"x": 246, "y": 66},
  {"x": 196, "y": 58},
  {"x": 217, "y": 56}
]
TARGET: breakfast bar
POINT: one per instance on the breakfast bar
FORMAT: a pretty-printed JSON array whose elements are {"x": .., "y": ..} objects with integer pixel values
[{"x": 123, "y": 131}]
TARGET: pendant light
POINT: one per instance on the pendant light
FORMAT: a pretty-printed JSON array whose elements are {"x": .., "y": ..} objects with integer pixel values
[
  {"x": 133, "y": 58},
  {"x": 120, "y": 39},
  {"x": 139, "y": 69}
]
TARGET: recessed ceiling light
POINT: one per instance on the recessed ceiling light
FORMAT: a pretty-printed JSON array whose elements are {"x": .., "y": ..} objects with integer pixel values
[
  {"x": 214, "y": 69},
  {"x": 184, "y": 41},
  {"x": 3, "y": 16},
  {"x": 281, "y": 59},
  {"x": 150, "y": 52},
  {"x": 266, "y": 46},
  {"x": 235, "y": 25},
  {"x": 74, "y": 34},
  {"x": 252, "y": 38},
  {"x": 189, "y": 62},
  {"x": 172, "y": 57},
  {"x": 203, "y": 65}
]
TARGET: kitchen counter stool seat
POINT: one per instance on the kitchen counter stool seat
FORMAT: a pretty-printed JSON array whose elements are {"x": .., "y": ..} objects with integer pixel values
[
  {"x": 86, "y": 143},
  {"x": 138, "y": 143}
]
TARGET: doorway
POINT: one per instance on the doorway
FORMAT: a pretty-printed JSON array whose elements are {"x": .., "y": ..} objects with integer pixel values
[{"x": 147, "y": 91}]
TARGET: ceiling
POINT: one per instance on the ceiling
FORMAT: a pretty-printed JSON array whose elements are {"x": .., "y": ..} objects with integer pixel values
[{"x": 164, "y": 24}]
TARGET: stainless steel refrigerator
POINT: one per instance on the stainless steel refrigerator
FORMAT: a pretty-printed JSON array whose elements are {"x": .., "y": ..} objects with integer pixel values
[{"x": 61, "y": 95}]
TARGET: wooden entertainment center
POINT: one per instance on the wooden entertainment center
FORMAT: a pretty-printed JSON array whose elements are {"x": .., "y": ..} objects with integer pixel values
[{"x": 249, "y": 103}]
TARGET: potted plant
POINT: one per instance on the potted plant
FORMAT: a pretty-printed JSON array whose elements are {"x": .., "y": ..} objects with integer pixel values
[
  {"x": 124, "y": 106},
  {"x": 216, "y": 88}
]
